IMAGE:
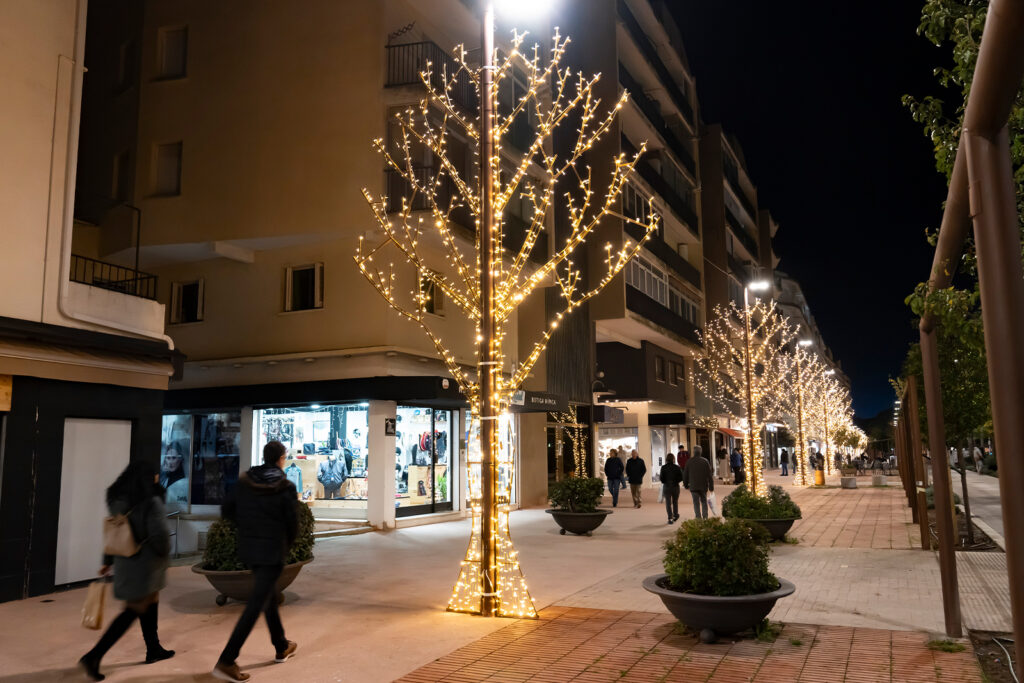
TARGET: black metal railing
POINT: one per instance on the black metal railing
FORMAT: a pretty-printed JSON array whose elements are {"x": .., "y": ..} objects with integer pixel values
[
  {"x": 513, "y": 235},
  {"x": 89, "y": 271},
  {"x": 651, "y": 55},
  {"x": 741, "y": 271},
  {"x": 740, "y": 231},
  {"x": 733, "y": 176},
  {"x": 667, "y": 254},
  {"x": 652, "y": 111},
  {"x": 406, "y": 62},
  {"x": 521, "y": 134},
  {"x": 682, "y": 206}
]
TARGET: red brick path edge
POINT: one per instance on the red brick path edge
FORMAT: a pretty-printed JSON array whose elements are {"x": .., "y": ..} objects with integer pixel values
[{"x": 590, "y": 645}]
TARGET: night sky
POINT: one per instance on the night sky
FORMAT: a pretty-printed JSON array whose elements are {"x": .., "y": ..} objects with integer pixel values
[{"x": 813, "y": 92}]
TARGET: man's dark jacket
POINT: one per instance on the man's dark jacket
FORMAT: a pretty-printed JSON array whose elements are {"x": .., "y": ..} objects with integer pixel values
[
  {"x": 263, "y": 507},
  {"x": 613, "y": 468},
  {"x": 697, "y": 475},
  {"x": 635, "y": 470}
]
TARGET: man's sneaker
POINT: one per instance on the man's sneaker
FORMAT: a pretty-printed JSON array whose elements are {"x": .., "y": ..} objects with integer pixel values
[
  {"x": 287, "y": 653},
  {"x": 229, "y": 672}
]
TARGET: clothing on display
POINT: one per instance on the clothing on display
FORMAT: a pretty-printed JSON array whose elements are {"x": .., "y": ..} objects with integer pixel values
[
  {"x": 332, "y": 473},
  {"x": 294, "y": 475}
]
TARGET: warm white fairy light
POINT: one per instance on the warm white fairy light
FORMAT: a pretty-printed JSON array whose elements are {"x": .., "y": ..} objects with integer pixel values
[
  {"x": 722, "y": 374},
  {"x": 555, "y": 97}
]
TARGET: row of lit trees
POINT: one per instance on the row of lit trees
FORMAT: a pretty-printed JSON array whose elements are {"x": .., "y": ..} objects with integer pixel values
[{"x": 755, "y": 369}]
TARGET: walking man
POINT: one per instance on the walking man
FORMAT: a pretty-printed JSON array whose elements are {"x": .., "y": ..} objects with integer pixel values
[
  {"x": 263, "y": 507},
  {"x": 670, "y": 476},
  {"x": 682, "y": 456},
  {"x": 613, "y": 471},
  {"x": 784, "y": 461},
  {"x": 635, "y": 471},
  {"x": 698, "y": 478},
  {"x": 736, "y": 463}
]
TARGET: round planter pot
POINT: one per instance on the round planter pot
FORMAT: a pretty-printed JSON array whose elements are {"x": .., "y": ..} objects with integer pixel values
[
  {"x": 722, "y": 615},
  {"x": 579, "y": 523},
  {"x": 238, "y": 584},
  {"x": 879, "y": 480},
  {"x": 849, "y": 482},
  {"x": 776, "y": 527}
]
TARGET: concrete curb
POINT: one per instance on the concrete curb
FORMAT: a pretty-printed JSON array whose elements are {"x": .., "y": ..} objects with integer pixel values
[{"x": 996, "y": 537}]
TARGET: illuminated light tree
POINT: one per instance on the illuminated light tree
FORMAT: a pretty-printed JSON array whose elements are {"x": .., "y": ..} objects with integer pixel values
[
  {"x": 830, "y": 411},
  {"x": 478, "y": 272},
  {"x": 798, "y": 389},
  {"x": 575, "y": 431},
  {"x": 732, "y": 354}
]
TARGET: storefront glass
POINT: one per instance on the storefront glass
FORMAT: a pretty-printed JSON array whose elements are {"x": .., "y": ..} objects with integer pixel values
[
  {"x": 622, "y": 438},
  {"x": 327, "y": 452},
  {"x": 506, "y": 457},
  {"x": 199, "y": 462},
  {"x": 424, "y": 460}
]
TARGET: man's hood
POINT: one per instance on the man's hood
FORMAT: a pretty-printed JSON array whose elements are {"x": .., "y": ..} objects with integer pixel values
[{"x": 265, "y": 479}]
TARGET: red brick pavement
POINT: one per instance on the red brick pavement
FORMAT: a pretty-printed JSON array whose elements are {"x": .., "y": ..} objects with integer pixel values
[
  {"x": 858, "y": 518},
  {"x": 603, "y": 646}
]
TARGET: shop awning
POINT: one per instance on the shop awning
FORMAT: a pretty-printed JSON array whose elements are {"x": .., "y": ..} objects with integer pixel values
[{"x": 732, "y": 432}]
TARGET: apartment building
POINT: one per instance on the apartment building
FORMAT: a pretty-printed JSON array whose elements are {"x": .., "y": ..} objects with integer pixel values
[
  {"x": 251, "y": 146},
  {"x": 84, "y": 362},
  {"x": 793, "y": 304}
]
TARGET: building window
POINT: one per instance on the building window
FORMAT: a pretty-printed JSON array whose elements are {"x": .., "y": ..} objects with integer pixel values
[
  {"x": 121, "y": 186},
  {"x": 173, "y": 52},
  {"x": 127, "y": 65},
  {"x": 187, "y": 302},
  {"x": 678, "y": 374},
  {"x": 167, "y": 180},
  {"x": 659, "y": 368},
  {"x": 432, "y": 297},
  {"x": 652, "y": 281},
  {"x": 304, "y": 287}
]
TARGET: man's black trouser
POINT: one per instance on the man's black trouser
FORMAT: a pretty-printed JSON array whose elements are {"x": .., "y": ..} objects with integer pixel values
[{"x": 263, "y": 599}]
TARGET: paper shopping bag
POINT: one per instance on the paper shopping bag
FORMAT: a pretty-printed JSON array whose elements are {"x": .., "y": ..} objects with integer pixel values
[{"x": 92, "y": 611}]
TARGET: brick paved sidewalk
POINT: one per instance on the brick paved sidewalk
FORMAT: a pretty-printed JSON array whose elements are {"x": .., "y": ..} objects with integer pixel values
[
  {"x": 588, "y": 645},
  {"x": 876, "y": 518}
]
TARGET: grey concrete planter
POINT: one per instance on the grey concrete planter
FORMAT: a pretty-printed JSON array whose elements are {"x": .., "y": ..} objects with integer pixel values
[
  {"x": 879, "y": 480},
  {"x": 722, "y": 615},
  {"x": 776, "y": 527},
  {"x": 848, "y": 482},
  {"x": 579, "y": 523},
  {"x": 238, "y": 584}
]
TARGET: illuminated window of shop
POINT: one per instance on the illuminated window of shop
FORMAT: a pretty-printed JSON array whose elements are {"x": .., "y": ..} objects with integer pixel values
[
  {"x": 327, "y": 451},
  {"x": 200, "y": 458},
  {"x": 424, "y": 458}
]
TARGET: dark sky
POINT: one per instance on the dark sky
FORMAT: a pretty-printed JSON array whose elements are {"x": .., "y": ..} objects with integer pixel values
[{"x": 812, "y": 90}]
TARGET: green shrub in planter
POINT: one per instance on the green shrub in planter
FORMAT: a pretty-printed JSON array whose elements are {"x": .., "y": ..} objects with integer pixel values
[
  {"x": 577, "y": 494},
  {"x": 712, "y": 557},
  {"x": 929, "y": 496},
  {"x": 221, "y": 552},
  {"x": 990, "y": 465},
  {"x": 743, "y": 504}
]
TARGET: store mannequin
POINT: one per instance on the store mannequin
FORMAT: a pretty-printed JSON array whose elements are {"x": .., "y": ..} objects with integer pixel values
[{"x": 332, "y": 474}]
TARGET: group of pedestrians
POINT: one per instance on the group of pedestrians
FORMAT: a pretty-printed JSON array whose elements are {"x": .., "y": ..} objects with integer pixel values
[
  {"x": 693, "y": 473},
  {"x": 263, "y": 507}
]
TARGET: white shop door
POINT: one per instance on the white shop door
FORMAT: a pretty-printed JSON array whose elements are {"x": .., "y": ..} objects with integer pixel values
[{"x": 95, "y": 452}]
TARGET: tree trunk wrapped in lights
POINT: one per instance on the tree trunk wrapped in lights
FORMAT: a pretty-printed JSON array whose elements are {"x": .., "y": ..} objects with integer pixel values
[
  {"x": 742, "y": 343},
  {"x": 575, "y": 431},
  {"x": 484, "y": 276}
]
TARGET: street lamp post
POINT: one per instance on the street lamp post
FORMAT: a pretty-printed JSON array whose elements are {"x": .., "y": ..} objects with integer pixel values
[{"x": 757, "y": 286}]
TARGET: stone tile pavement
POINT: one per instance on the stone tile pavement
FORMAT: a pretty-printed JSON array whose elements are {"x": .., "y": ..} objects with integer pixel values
[
  {"x": 598, "y": 646},
  {"x": 862, "y": 518},
  {"x": 984, "y": 591}
]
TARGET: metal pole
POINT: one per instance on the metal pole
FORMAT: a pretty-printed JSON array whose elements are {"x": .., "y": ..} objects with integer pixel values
[
  {"x": 750, "y": 400},
  {"x": 488, "y": 357},
  {"x": 943, "y": 486},
  {"x": 1000, "y": 277}
]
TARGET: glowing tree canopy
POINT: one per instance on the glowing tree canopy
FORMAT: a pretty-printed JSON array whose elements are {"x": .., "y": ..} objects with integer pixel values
[
  {"x": 798, "y": 389},
  {"x": 436, "y": 253},
  {"x": 732, "y": 353},
  {"x": 830, "y": 411},
  {"x": 576, "y": 432}
]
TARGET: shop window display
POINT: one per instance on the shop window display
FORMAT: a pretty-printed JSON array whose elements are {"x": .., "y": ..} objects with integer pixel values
[
  {"x": 506, "y": 457},
  {"x": 622, "y": 438},
  {"x": 423, "y": 458},
  {"x": 199, "y": 462},
  {"x": 327, "y": 451}
]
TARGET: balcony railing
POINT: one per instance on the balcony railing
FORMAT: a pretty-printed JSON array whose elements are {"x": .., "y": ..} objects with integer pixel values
[
  {"x": 652, "y": 111},
  {"x": 651, "y": 55},
  {"x": 649, "y": 308},
  {"x": 733, "y": 176},
  {"x": 740, "y": 232},
  {"x": 667, "y": 254},
  {"x": 406, "y": 63},
  {"x": 682, "y": 206},
  {"x": 94, "y": 273},
  {"x": 400, "y": 188}
]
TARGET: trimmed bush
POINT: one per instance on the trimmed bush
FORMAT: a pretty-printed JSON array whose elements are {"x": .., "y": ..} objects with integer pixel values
[
  {"x": 712, "y": 557},
  {"x": 929, "y": 496},
  {"x": 577, "y": 494},
  {"x": 743, "y": 504},
  {"x": 221, "y": 552},
  {"x": 990, "y": 465}
]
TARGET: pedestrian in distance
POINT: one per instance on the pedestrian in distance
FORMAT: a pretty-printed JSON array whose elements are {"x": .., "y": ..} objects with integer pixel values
[
  {"x": 614, "y": 470},
  {"x": 625, "y": 483},
  {"x": 698, "y": 479},
  {"x": 784, "y": 461},
  {"x": 723, "y": 464},
  {"x": 979, "y": 462},
  {"x": 736, "y": 463},
  {"x": 635, "y": 471},
  {"x": 671, "y": 476},
  {"x": 139, "y": 578},
  {"x": 263, "y": 506},
  {"x": 682, "y": 456}
]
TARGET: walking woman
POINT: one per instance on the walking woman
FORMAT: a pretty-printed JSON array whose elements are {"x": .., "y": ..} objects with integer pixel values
[
  {"x": 671, "y": 476},
  {"x": 139, "y": 578}
]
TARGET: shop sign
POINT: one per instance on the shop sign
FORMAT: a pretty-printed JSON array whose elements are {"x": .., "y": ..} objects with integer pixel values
[
  {"x": 6, "y": 392},
  {"x": 519, "y": 398},
  {"x": 538, "y": 402},
  {"x": 609, "y": 415}
]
